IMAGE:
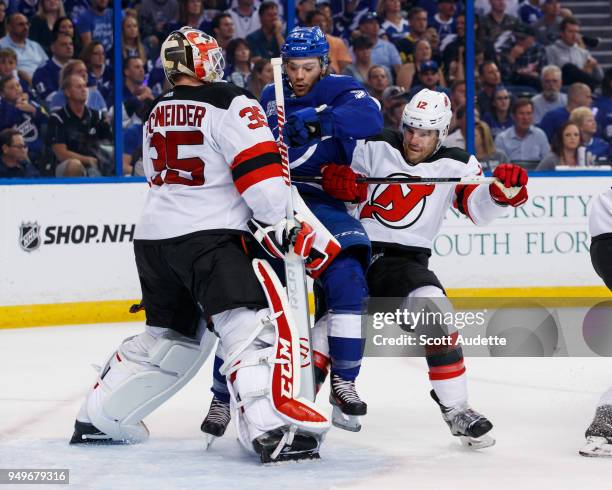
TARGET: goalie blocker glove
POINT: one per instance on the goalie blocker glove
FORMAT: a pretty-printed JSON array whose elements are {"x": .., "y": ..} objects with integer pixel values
[
  {"x": 275, "y": 239},
  {"x": 511, "y": 188},
  {"x": 340, "y": 182}
]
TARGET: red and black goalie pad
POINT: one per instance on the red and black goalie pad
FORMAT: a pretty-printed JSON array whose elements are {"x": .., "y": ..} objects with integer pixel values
[{"x": 256, "y": 164}]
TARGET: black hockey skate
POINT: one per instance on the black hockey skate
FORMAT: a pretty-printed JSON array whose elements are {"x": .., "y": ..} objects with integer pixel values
[
  {"x": 467, "y": 424},
  {"x": 216, "y": 421},
  {"x": 284, "y": 445},
  {"x": 347, "y": 406},
  {"x": 86, "y": 433},
  {"x": 599, "y": 434}
]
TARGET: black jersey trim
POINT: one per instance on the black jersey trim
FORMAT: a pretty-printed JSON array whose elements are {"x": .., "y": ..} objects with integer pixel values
[
  {"x": 217, "y": 231},
  {"x": 255, "y": 163},
  {"x": 452, "y": 153},
  {"x": 393, "y": 138}
]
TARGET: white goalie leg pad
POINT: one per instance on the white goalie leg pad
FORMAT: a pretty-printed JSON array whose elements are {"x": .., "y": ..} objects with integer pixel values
[
  {"x": 325, "y": 247},
  {"x": 145, "y": 371},
  {"x": 263, "y": 366}
]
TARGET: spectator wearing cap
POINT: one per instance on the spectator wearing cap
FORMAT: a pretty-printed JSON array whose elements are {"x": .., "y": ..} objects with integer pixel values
[
  {"x": 362, "y": 52},
  {"x": 41, "y": 28},
  {"x": 551, "y": 96},
  {"x": 444, "y": 21},
  {"x": 578, "y": 95},
  {"x": 577, "y": 64},
  {"x": 339, "y": 56},
  {"x": 393, "y": 102},
  {"x": 522, "y": 58},
  {"x": 429, "y": 77},
  {"x": 30, "y": 54},
  {"x": 46, "y": 78},
  {"x": 394, "y": 25},
  {"x": 245, "y": 17},
  {"x": 585, "y": 120},
  {"x": 223, "y": 29},
  {"x": 76, "y": 133},
  {"x": 499, "y": 119},
  {"x": 383, "y": 52},
  {"x": 97, "y": 23},
  {"x": 547, "y": 28},
  {"x": 19, "y": 112},
  {"x": 523, "y": 141},
  {"x": 530, "y": 12},
  {"x": 266, "y": 42},
  {"x": 417, "y": 20},
  {"x": 490, "y": 78},
  {"x": 14, "y": 161},
  {"x": 378, "y": 81},
  {"x": 496, "y": 22}
]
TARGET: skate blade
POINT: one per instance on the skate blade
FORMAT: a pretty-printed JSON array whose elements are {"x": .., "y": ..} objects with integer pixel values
[
  {"x": 477, "y": 443},
  {"x": 341, "y": 420},
  {"x": 283, "y": 459},
  {"x": 208, "y": 441},
  {"x": 596, "y": 447}
]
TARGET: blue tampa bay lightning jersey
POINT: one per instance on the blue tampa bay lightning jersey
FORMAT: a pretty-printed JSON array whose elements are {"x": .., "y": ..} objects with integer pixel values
[{"x": 355, "y": 115}]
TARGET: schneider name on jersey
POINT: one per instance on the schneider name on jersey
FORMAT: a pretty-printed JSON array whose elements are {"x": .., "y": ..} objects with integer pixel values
[
  {"x": 411, "y": 215},
  {"x": 190, "y": 136}
]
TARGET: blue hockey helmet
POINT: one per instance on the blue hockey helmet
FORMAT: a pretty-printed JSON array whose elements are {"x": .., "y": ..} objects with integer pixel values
[{"x": 306, "y": 42}]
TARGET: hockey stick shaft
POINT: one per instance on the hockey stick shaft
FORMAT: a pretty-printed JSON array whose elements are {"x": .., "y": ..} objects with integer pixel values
[
  {"x": 297, "y": 289},
  {"x": 318, "y": 179}
]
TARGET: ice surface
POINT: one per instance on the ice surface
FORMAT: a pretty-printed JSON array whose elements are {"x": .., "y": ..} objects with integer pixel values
[{"x": 540, "y": 409}]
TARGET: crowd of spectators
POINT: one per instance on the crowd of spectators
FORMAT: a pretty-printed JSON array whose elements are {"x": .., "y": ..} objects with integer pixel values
[{"x": 537, "y": 83}]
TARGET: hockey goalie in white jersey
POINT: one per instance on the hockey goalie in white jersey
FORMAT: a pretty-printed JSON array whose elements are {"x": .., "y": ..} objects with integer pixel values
[
  {"x": 214, "y": 172},
  {"x": 403, "y": 220}
]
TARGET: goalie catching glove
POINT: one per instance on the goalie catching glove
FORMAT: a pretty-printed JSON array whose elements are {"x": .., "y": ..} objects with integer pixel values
[
  {"x": 340, "y": 182},
  {"x": 511, "y": 185},
  {"x": 275, "y": 239}
]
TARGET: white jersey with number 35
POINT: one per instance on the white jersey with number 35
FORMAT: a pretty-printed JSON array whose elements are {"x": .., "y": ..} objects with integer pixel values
[{"x": 211, "y": 162}]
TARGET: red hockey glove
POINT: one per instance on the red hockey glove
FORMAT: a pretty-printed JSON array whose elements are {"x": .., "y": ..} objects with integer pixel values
[
  {"x": 511, "y": 185},
  {"x": 340, "y": 181}
]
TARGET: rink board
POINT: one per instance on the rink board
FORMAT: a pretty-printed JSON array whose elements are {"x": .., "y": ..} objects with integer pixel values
[{"x": 67, "y": 254}]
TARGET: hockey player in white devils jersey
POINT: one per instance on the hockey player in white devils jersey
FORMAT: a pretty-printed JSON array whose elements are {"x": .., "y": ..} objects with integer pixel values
[
  {"x": 403, "y": 220},
  {"x": 213, "y": 167},
  {"x": 599, "y": 433}
]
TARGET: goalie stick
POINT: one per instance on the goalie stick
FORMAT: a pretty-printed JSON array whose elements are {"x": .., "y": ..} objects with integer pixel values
[{"x": 297, "y": 290}]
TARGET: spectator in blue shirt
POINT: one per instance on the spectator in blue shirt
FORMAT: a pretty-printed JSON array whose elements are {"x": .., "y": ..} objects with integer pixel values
[
  {"x": 383, "y": 52},
  {"x": 445, "y": 19},
  {"x": 30, "y": 54},
  {"x": 14, "y": 161},
  {"x": 499, "y": 118},
  {"x": 135, "y": 92},
  {"x": 529, "y": 12},
  {"x": 393, "y": 24},
  {"x": 98, "y": 74},
  {"x": 585, "y": 120},
  {"x": 603, "y": 103},
  {"x": 523, "y": 141},
  {"x": 95, "y": 101},
  {"x": 578, "y": 95},
  {"x": 266, "y": 41},
  {"x": 19, "y": 112},
  {"x": 46, "y": 78},
  {"x": 97, "y": 23}
]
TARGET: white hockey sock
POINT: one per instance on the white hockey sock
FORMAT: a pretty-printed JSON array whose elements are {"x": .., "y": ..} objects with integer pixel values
[
  {"x": 606, "y": 398},
  {"x": 451, "y": 392}
]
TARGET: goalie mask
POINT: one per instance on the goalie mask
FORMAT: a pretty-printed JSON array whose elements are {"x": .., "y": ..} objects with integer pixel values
[
  {"x": 193, "y": 53},
  {"x": 428, "y": 110}
]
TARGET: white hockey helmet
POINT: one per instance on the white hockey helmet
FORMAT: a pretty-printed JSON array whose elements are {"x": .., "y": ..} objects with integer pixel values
[
  {"x": 429, "y": 109},
  {"x": 193, "y": 53}
]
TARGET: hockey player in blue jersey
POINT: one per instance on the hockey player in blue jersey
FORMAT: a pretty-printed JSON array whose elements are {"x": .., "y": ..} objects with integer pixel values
[{"x": 325, "y": 115}]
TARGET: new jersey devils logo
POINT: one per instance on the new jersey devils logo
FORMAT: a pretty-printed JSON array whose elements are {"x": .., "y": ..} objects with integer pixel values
[{"x": 397, "y": 206}]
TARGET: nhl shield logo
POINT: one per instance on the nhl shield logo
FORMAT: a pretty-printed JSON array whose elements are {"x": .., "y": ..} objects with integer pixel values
[{"x": 29, "y": 236}]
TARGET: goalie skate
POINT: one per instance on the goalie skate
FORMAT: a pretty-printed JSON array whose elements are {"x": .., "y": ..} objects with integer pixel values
[
  {"x": 281, "y": 445},
  {"x": 216, "y": 421},
  {"x": 86, "y": 433},
  {"x": 347, "y": 406},
  {"x": 471, "y": 427},
  {"x": 599, "y": 434}
]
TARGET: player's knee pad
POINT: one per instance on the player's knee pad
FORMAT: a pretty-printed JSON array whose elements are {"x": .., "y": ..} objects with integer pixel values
[
  {"x": 263, "y": 366},
  {"x": 325, "y": 247},
  {"x": 145, "y": 371},
  {"x": 344, "y": 284}
]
